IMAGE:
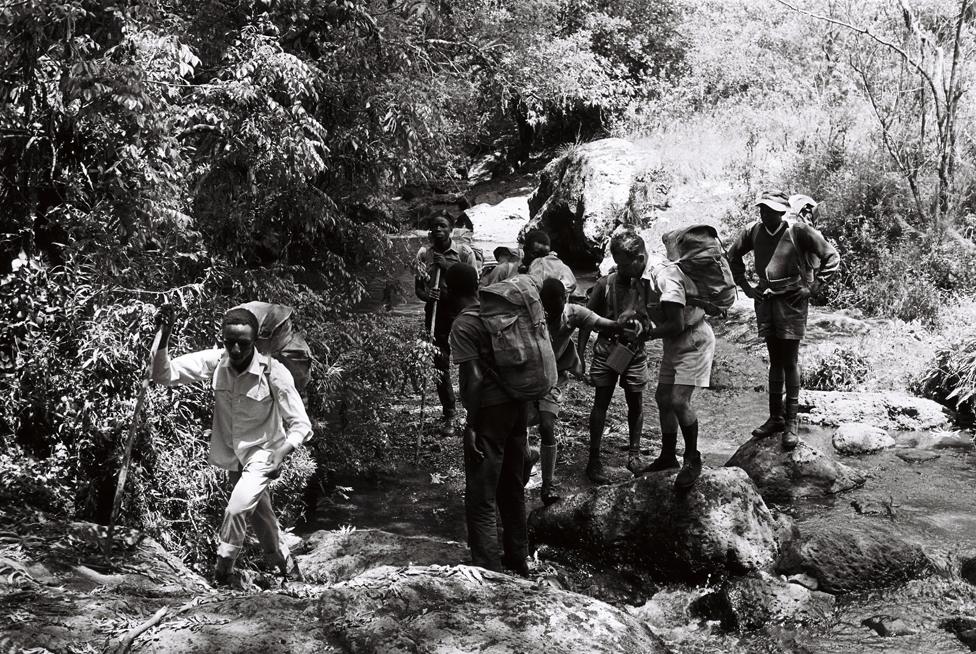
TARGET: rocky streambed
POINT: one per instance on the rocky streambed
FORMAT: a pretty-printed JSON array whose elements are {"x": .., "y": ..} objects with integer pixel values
[{"x": 862, "y": 539}]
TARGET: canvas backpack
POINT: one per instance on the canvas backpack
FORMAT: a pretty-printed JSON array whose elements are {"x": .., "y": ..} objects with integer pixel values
[
  {"x": 699, "y": 254},
  {"x": 523, "y": 363},
  {"x": 278, "y": 339}
]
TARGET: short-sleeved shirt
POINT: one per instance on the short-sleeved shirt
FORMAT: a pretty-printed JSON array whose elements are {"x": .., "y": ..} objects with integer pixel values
[
  {"x": 456, "y": 252},
  {"x": 674, "y": 286},
  {"x": 612, "y": 302},
  {"x": 574, "y": 317},
  {"x": 471, "y": 341}
]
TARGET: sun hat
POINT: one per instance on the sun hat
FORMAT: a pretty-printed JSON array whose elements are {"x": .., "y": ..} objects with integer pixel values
[
  {"x": 775, "y": 200},
  {"x": 799, "y": 202},
  {"x": 503, "y": 250}
]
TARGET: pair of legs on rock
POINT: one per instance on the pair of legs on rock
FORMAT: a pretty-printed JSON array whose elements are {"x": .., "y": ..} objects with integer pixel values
[
  {"x": 674, "y": 407},
  {"x": 784, "y": 369},
  {"x": 250, "y": 501},
  {"x": 497, "y": 480}
]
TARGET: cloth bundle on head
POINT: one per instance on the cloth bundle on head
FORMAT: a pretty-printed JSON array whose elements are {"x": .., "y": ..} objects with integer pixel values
[
  {"x": 799, "y": 202},
  {"x": 774, "y": 199}
]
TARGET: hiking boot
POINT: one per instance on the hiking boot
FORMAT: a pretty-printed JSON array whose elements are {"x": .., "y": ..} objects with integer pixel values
[
  {"x": 689, "y": 471},
  {"x": 790, "y": 438},
  {"x": 660, "y": 463},
  {"x": 595, "y": 472},
  {"x": 775, "y": 422},
  {"x": 290, "y": 570},
  {"x": 518, "y": 565},
  {"x": 447, "y": 426},
  {"x": 550, "y": 492},
  {"x": 223, "y": 574},
  {"x": 634, "y": 464},
  {"x": 773, "y": 425}
]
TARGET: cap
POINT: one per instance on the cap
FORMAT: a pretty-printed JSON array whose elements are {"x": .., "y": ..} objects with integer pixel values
[{"x": 775, "y": 200}]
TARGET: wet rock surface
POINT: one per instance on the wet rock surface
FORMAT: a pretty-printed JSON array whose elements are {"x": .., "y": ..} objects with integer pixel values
[
  {"x": 461, "y": 609},
  {"x": 721, "y": 526},
  {"x": 783, "y": 476},
  {"x": 860, "y": 556},
  {"x": 890, "y": 410},
  {"x": 760, "y": 598},
  {"x": 889, "y": 626},
  {"x": 334, "y": 556},
  {"x": 861, "y": 438},
  {"x": 584, "y": 193},
  {"x": 964, "y": 628}
]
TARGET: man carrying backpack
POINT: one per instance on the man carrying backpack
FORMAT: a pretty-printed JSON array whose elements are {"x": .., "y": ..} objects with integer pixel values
[
  {"x": 505, "y": 361},
  {"x": 259, "y": 419},
  {"x": 688, "y": 345},
  {"x": 791, "y": 260},
  {"x": 542, "y": 263},
  {"x": 440, "y": 307}
]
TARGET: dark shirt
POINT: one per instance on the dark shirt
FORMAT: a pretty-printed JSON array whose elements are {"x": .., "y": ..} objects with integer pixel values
[{"x": 470, "y": 340}]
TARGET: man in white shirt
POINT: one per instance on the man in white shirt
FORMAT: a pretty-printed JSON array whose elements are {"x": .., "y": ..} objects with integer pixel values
[{"x": 259, "y": 419}]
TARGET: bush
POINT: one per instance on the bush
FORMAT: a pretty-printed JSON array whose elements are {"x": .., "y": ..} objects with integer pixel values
[
  {"x": 951, "y": 376},
  {"x": 842, "y": 369}
]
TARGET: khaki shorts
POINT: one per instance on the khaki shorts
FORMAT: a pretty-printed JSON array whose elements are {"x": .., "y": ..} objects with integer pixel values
[
  {"x": 550, "y": 403},
  {"x": 781, "y": 316},
  {"x": 687, "y": 358},
  {"x": 633, "y": 379}
]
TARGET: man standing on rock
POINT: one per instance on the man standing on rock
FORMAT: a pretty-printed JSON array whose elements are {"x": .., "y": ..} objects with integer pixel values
[
  {"x": 495, "y": 438},
  {"x": 259, "y": 419},
  {"x": 688, "y": 347},
  {"x": 430, "y": 285},
  {"x": 791, "y": 260},
  {"x": 563, "y": 319},
  {"x": 620, "y": 358}
]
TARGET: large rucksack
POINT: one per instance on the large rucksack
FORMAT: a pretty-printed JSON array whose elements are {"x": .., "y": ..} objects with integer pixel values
[
  {"x": 277, "y": 338},
  {"x": 698, "y": 252},
  {"x": 522, "y": 362}
]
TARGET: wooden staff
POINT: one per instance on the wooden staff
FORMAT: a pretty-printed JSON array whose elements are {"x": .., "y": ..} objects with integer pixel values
[{"x": 130, "y": 439}]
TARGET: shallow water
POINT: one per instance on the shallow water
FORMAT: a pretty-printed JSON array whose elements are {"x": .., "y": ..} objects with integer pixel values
[{"x": 931, "y": 503}]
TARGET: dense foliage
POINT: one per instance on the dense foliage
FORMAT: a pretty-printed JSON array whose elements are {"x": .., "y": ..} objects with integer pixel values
[{"x": 207, "y": 153}]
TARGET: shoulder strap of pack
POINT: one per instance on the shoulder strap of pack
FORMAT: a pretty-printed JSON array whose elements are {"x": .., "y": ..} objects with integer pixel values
[{"x": 611, "y": 298}]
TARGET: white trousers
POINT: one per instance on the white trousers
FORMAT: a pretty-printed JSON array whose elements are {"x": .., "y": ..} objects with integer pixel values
[{"x": 250, "y": 499}]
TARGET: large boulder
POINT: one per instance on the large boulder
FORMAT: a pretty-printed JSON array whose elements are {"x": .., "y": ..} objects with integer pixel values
[
  {"x": 585, "y": 192},
  {"x": 783, "y": 476},
  {"x": 854, "y": 557},
  {"x": 859, "y": 438},
  {"x": 464, "y": 609},
  {"x": 890, "y": 410},
  {"x": 721, "y": 526},
  {"x": 760, "y": 598}
]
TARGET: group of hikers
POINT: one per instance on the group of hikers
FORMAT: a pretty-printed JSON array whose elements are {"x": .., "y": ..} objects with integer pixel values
[{"x": 510, "y": 333}]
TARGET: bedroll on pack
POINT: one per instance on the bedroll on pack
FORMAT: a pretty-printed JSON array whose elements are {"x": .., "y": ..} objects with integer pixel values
[
  {"x": 277, "y": 338},
  {"x": 524, "y": 364},
  {"x": 551, "y": 266},
  {"x": 698, "y": 252}
]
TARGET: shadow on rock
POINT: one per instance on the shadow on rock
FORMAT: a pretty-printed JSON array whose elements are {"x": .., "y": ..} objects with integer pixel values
[
  {"x": 463, "y": 609},
  {"x": 783, "y": 476},
  {"x": 863, "y": 555},
  {"x": 720, "y": 527}
]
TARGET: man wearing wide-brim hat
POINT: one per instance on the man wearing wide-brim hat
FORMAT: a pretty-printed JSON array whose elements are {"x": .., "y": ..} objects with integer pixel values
[{"x": 791, "y": 260}]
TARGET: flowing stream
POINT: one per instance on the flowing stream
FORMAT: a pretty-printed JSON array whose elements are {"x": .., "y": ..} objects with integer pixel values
[{"x": 932, "y": 503}]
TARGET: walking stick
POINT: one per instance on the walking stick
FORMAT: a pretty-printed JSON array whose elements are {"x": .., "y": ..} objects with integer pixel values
[
  {"x": 130, "y": 439},
  {"x": 423, "y": 387}
]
